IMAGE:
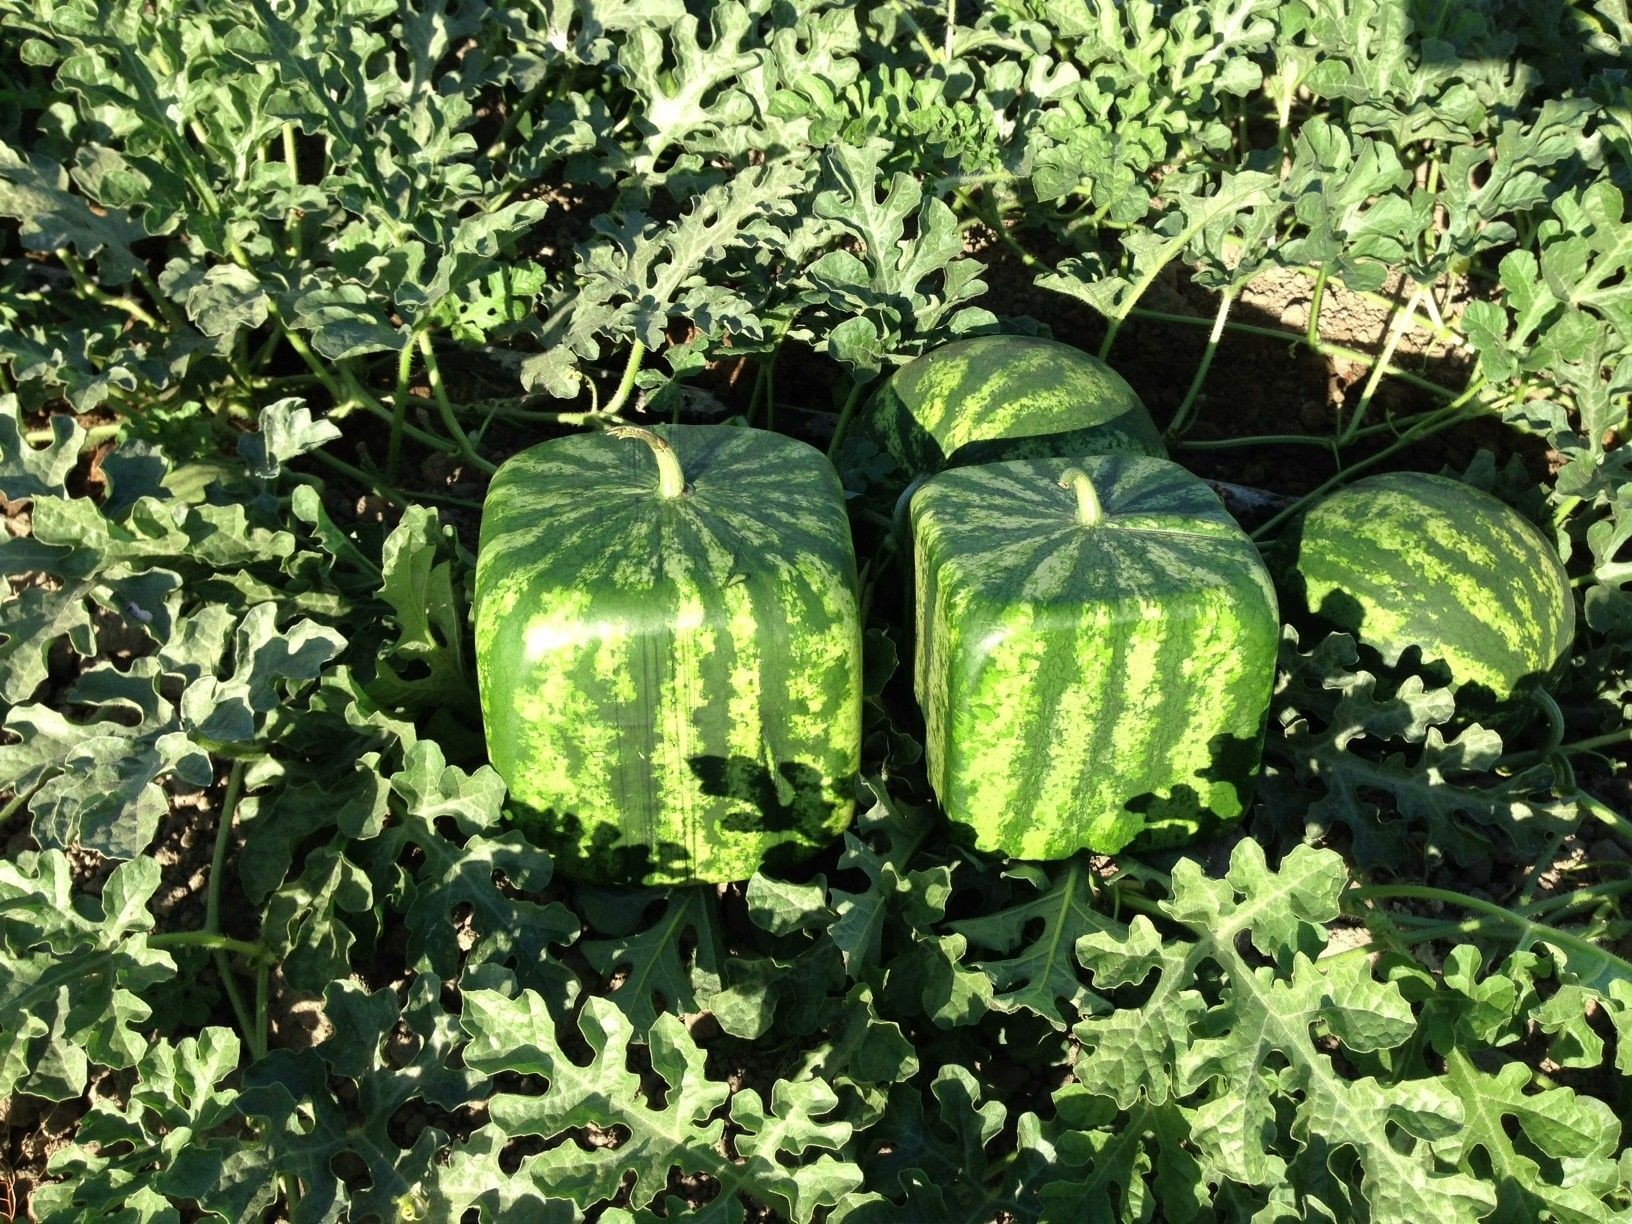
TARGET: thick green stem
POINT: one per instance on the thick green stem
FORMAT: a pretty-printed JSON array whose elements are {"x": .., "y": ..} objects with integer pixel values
[
  {"x": 758, "y": 392},
  {"x": 1610, "y": 739},
  {"x": 96, "y": 293},
  {"x": 223, "y": 840},
  {"x": 1146, "y": 277},
  {"x": 1563, "y": 903},
  {"x": 345, "y": 397},
  {"x": 923, "y": 40},
  {"x": 995, "y": 223},
  {"x": 264, "y": 353},
  {"x": 1255, "y": 439},
  {"x": 523, "y": 416},
  {"x": 291, "y": 220},
  {"x": 765, "y": 382},
  {"x": 1316, "y": 296},
  {"x": 1113, "y": 326},
  {"x": 1443, "y": 419},
  {"x": 433, "y": 374},
  {"x": 1527, "y": 930},
  {"x": 1323, "y": 348},
  {"x": 372, "y": 482},
  {"x": 770, "y": 387},
  {"x": 1619, "y": 826},
  {"x": 263, "y": 982},
  {"x": 212, "y": 900},
  {"x": 94, "y": 436},
  {"x": 671, "y": 480},
  {"x": 522, "y": 108},
  {"x": 357, "y": 475},
  {"x": 1543, "y": 700},
  {"x": 374, "y": 408},
  {"x": 1311, "y": 337},
  {"x": 21, "y": 797},
  {"x": 208, "y": 939},
  {"x": 399, "y": 412},
  {"x": 1181, "y": 418},
  {"x": 1548, "y": 855},
  {"x": 285, "y": 382},
  {"x": 1089, "y": 511},
  {"x": 1428, "y": 930},
  {"x": 626, "y": 385},
  {"x": 290, "y": 157},
  {"x": 1591, "y": 894},
  {"x": 1315, "y": 440},
  {"x": 170, "y": 314},
  {"x": 1138, "y": 903},
  {"x": 1565, "y": 507},
  {"x": 842, "y": 426},
  {"x": 243, "y": 376},
  {"x": 304, "y": 351},
  {"x": 1402, "y": 323}
]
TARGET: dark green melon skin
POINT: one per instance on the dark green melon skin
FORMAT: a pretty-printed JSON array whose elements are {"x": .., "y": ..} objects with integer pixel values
[
  {"x": 671, "y": 688},
  {"x": 1088, "y": 687},
  {"x": 992, "y": 398},
  {"x": 1406, "y": 559}
]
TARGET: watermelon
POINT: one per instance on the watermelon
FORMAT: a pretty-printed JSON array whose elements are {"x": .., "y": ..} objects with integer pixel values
[
  {"x": 1002, "y": 397},
  {"x": 668, "y": 650},
  {"x": 1095, "y": 652},
  {"x": 1407, "y": 560}
]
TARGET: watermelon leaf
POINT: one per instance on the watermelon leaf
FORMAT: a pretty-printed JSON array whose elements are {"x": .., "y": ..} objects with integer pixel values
[
  {"x": 664, "y": 966},
  {"x": 901, "y": 290},
  {"x": 675, "y": 1130},
  {"x": 380, "y": 1056},
  {"x": 174, "y": 1136},
  {"x": 1042, "y": 969},
  {"x": 1348, "y": 744},
  {"x": 27, "y": 471},
  {"x": 51, "y": 1035},
  {"x": 1234, "y": 1049}
]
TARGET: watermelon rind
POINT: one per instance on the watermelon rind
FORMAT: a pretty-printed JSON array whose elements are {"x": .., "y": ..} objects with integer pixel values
[
  {"x": 1409, "y": 560},
  {"x": 1088, "y": 686},
  {"x": 671, "y": 686},
  {"x": 992, "y": 398}
]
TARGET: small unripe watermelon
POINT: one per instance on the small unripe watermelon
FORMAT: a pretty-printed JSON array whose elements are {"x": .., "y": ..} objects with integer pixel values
[
  {"x": 1408, "y": 560},
  {"x": 1002, "y": 397}
]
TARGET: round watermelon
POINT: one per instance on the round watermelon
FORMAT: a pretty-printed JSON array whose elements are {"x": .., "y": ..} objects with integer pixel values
[
  {"x": 1407, "y": 560},
  {"x": 1002, "y": 397}
]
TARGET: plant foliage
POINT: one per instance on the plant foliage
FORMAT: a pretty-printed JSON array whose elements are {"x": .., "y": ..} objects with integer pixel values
[{"x": 280, "y": 281}]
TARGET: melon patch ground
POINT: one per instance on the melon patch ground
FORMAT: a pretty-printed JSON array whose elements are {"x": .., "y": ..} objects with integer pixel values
[{"x": 281, "y": 287}]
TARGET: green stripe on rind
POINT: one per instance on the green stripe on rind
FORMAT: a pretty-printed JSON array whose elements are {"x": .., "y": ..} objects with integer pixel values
[
  {"x": 672, "y": 689},
  {"x": 993, "y": 398},
  {"x": 1408, "y": 559},
  {"x": 1088, "y": 687}
]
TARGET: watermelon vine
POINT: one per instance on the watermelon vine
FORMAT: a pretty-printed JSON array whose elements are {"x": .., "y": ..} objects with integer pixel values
[{"x": 729, "y": 356}]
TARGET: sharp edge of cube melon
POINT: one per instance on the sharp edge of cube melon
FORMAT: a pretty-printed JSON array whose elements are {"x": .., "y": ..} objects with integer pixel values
[
  {"x": 668, "y": 650},
  {"x": 1069, "y": 669}
]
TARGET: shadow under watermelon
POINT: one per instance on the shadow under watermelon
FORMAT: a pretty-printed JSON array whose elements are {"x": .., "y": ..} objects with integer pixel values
[{"x": 794, "y": 800}]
